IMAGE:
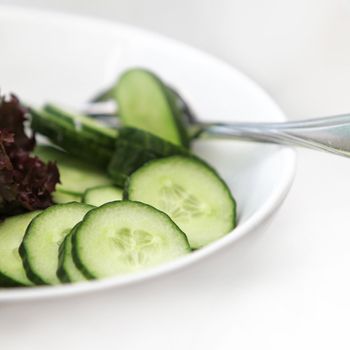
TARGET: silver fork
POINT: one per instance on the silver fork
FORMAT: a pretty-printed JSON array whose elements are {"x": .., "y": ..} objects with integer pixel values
[{"x": 330, "y": 134}]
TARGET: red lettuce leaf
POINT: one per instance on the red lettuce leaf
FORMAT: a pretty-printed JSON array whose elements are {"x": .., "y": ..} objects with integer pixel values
[
  {"x": 26, "y": 182},
  {"x": 12, "y": 118}
]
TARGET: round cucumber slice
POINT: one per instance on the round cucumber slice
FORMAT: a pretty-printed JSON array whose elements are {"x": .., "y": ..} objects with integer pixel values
[
  {"x": 12, "y": 231},
  {"x": 146, "y": 103},
  {"x": 40, "y": 246},
  {"x": 67, "y": 270},
  {"x": 99, "y": 195},
  {"x": 190, "y": 192},
  {"x": 123, "y": 237}
]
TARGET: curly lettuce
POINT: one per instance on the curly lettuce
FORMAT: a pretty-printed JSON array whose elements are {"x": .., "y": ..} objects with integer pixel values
[{"x": 26, "y": 182}]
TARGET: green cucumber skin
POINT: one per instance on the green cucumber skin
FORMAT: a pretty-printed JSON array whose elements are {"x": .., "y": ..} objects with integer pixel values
[
  {"x": 61, "y": 272},
  {"x": 134, "y": 148},
  {"x": 76, "y": 259},
  {"x": 176, "y": 113},
  {"x": 149, "y": 142},
  {"x": 188, "y": 116},
  {"x": 103, "y": 135},
  {"x": 179, "y": 119},
  {"x": 78, "y": 144},
  {"x": 61, "y": 133},
  {"x": 26, "y": 265},
  {"x": 83, "y": 149},
  {"x": 7, "y": 282},
  {"x": 125, "y": 160}
]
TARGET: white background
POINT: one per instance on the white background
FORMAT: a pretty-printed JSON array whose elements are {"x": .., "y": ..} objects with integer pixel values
[
  {"x": 286, "y": 289},
  {"x": 296, "y": 49}
]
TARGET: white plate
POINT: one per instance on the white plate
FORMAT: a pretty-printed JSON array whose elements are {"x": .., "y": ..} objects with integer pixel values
[{"x": 47, "y": 56}]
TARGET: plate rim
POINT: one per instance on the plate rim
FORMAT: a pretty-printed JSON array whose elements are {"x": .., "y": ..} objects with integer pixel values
[{"x": 258, "y": 218}]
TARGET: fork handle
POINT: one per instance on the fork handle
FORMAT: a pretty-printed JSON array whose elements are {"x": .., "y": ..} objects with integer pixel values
[{"x": 330, "y": 134}]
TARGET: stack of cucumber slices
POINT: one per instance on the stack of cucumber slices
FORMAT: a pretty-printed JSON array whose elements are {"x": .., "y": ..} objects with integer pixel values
[{"x": 129, "y": 199}]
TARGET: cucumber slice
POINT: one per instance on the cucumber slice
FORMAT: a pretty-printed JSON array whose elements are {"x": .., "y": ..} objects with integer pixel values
[
  {"x": 135, "y": 147},
  {"x": 105, "y": 136},
  {"x": 76, "y": 176},
  {"x": 65, "y": 197},
  {"x": 67, "y": 270},
  {"x": 190, "y": 192},
  {"x": 97, "y": 196},
  {"x": 39, "y": 249},
  {"x": 146, "y": 103},
  {"x": 188, "y": 115},
  {"x": 63, "y": 133},
  {"x": 123, "y": 237},
  {"x": 12, "y": 230}
]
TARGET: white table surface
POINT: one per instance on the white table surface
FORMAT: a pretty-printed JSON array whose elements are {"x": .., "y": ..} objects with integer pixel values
[{"x": 286, "y": 289}]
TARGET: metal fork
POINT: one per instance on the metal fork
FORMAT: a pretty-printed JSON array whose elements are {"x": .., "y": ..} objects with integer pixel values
[{"x": 330, "y": 134}]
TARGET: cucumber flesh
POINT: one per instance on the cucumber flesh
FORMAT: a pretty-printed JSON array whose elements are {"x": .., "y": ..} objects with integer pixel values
[
  {"x": 40, "y": 247},
  {"x": 146, "y": 103},
  {"x": 97, "y": 196},
  {"x": 12, "y": 231},
  {"x": 67, "y": 270},
  {"x": 190, "y": 192},
  {"x": 60, "y": 197},
  {"x": 188, "y": 115},
  {"x": 75, "y": 175},
  {"x": 123, "y": 237}
]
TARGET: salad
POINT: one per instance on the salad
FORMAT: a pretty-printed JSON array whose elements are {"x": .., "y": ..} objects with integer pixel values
[{"x": 95, "y": 201}]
